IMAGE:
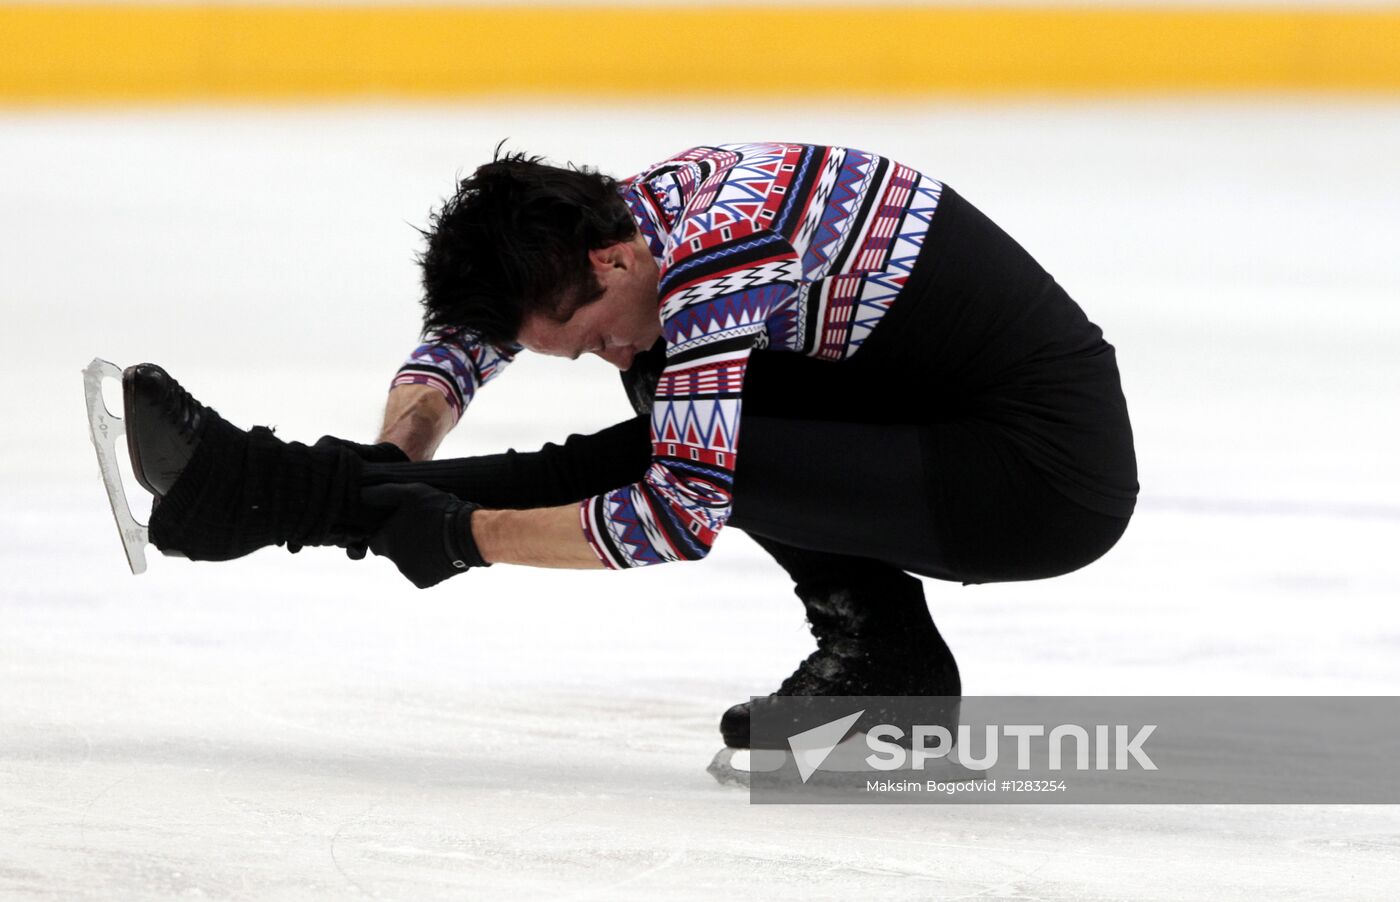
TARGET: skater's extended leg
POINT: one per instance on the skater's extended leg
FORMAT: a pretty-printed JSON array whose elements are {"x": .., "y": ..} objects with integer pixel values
[
  {"x": 223, "y": 492},
  {"x": 580, "y": 467}
]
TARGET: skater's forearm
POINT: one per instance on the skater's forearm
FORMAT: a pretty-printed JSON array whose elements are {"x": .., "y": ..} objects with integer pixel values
[
  {"x": 542, "y": 537},
  {"x": 416, "y": 418}
]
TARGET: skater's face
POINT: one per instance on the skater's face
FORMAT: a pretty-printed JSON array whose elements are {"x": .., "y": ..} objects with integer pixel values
[{"x": 618, "y": 326}]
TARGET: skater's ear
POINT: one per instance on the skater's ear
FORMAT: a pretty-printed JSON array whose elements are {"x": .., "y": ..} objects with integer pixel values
[
  {"x": 618, "y": 255},
  {"x": 609, "y": 257}
]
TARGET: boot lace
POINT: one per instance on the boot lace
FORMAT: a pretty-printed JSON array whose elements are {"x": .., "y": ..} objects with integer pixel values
[
  {"x": 817, "y": 671},
  {"x": 180, "y": 406}
]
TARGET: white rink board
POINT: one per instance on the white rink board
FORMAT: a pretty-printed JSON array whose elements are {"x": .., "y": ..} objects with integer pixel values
[{"x": 305, "y": 728}]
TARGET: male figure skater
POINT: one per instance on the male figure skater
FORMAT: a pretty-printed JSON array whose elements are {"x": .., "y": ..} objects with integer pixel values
[{"x": 826, "y": 348}]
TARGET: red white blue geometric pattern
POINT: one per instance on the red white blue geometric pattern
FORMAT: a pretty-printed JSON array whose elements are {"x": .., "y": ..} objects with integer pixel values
[{"x": 456, "y": 364}]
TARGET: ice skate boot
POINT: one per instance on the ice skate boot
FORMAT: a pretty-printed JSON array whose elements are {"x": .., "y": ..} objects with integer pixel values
[
  {"x": 163, "y": 423},
  {"x": 220, "y": 492},
  {"x": 874, "y": 639}
]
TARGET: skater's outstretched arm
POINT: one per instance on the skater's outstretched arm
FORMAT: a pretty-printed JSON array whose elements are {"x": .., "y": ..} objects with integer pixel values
[
  {"x": 434, "y": 387},
  {"x": 431, "y": 535},
  {"x": 541, "y": 537},
  {"x": 416, "y": 418}
]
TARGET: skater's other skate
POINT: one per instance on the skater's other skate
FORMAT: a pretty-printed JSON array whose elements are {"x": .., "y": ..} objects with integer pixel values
[
  {"x": 221, "y": 492},
  {"x": 163, "y": 425}
]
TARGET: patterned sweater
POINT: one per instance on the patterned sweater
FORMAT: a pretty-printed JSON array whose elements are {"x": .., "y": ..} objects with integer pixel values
[{"x": 786, "y": 246}]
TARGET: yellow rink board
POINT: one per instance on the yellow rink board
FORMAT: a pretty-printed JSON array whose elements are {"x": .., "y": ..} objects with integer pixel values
[{"x": 76, "y": 53}]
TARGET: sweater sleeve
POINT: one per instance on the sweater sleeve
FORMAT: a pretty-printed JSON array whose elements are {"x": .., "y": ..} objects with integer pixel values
[
  {"x": 455, "y": 363},
  {"x": 719, "y": 290}
]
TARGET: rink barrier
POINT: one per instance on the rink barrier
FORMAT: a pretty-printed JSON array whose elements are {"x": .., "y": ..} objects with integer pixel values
[{"x": 121, "y": 53}]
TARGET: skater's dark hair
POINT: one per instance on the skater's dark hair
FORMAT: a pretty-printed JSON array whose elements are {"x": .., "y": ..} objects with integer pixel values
[{"x": 514, "y": 241}]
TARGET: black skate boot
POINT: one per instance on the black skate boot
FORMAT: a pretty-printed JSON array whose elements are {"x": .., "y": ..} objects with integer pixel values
[
  {"x": 874, "y": 638},
  {"x": 163, "y": 426},
  {"x": 222, "y": 492}
]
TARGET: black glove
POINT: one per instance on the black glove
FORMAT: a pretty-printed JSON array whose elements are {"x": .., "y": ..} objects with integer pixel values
[
  {"x": 427, "y": 533},
  {"x": 382, "y": 453}
]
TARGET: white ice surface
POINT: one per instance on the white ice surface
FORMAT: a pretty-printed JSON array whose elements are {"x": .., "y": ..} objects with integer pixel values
[{"x": 302, "y": 727}]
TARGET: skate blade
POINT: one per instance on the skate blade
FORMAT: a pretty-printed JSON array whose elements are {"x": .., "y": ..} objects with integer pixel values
[
  {"x": 106, "y": 427},
  {"x": 735, "y": 767}
]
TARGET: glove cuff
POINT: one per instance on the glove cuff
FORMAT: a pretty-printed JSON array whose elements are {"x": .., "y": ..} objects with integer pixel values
[{"x": 457, "y": 539}]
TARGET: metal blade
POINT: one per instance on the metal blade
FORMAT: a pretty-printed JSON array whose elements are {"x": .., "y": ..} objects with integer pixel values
[{"x": 106, "y": 427}]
